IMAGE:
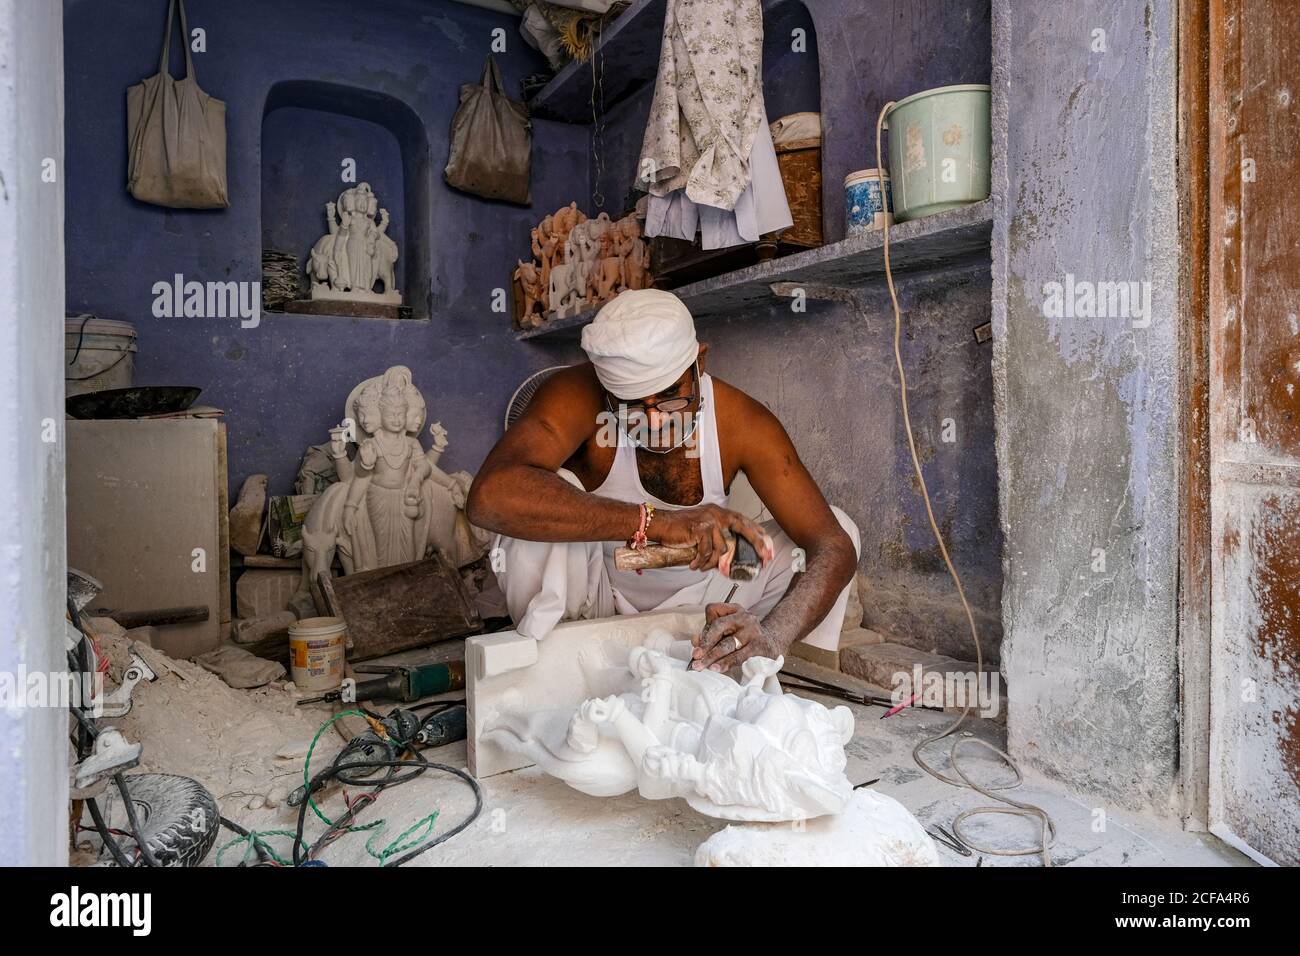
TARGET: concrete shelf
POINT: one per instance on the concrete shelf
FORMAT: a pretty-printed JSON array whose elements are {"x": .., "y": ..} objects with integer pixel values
[
  {"x": 625, "y": 60},
  {"x": 947, "y": 238}
]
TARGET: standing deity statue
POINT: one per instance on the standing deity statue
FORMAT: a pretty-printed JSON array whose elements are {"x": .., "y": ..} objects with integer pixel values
[
  {"x": 356, "y": 252},
  {"x": 392, "y": 503}
]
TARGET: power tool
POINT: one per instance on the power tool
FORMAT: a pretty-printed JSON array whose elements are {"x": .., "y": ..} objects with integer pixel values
[{"x": 400, "y": 683}]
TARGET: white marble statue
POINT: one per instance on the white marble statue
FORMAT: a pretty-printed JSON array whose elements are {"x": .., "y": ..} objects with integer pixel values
[
  {"x": 737, "y": 751},
  {"x": 356, "y": 252},
  {"x": 392, "y": 504}
]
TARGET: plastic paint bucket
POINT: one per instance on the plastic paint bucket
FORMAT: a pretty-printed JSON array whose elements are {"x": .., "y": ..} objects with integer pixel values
[
  {"x": 316, "y": 652},
  {"x": 865, "y": 206},
  {"x": 939, "y": 149},
  {"x": 98, "y": 354}
]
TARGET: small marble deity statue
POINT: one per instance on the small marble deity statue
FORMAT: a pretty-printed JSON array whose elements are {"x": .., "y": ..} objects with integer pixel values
[
  {"x": 356, "y": 252},
  {"x": 740, "y": 751},
  {"x": 392, "y": 503}
]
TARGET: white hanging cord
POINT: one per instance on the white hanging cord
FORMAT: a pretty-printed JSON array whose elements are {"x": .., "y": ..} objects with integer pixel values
[{"x": 1014, "y": 807}]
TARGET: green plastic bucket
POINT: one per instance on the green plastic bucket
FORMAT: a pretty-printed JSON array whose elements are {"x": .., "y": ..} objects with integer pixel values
[{"x": 939, "y": 149}]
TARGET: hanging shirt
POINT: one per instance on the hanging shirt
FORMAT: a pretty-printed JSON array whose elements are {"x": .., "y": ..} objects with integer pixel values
[
  {"x": 708, "y": 101},
  {"x": 761, "y": 208}
]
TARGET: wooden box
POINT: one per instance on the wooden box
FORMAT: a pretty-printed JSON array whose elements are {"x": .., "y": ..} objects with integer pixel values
[{"x": 801, "y": 172}]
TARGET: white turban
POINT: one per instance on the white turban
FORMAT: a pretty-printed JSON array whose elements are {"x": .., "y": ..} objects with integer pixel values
[{"x": 641, "y": 342}]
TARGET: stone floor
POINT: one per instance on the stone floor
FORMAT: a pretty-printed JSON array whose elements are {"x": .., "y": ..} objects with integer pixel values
[{"x": 531, "y": 819}]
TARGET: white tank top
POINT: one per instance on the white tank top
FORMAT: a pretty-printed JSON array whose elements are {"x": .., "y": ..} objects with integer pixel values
[{"x": 663, "y": 587}]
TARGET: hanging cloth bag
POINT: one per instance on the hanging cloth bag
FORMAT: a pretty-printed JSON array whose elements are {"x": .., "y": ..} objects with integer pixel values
[
  {"x": 175, "y": 135},
  {"x": 491, "y": 142}
]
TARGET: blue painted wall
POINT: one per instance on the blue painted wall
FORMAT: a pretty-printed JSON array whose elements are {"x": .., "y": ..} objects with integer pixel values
[
  {"x": 284, "y": 383},
  {"x": 299, "y": 178}
]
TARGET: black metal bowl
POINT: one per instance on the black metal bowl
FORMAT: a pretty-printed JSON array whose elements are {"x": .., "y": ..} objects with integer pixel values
[{"x": 132, "y": 402}]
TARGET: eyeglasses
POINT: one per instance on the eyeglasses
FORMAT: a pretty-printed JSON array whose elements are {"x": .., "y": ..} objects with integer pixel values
[{"x": 664, "y": 405}]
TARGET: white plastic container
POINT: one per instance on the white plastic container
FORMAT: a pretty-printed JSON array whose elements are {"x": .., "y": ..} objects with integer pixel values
[
  {"x": 99, "y": 354},
  {"x": 316, "y": 651},
  {"x": 868, "y": 201}
]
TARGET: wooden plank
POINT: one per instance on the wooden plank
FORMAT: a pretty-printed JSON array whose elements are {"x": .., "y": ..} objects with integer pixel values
[
  {"x": 824, "y": 675},
  {"x": 223, "y": 507},
  {"x": 401, "y": 607},
  {"x": 1254, "y": 769},
  {"x": 1194, "y": 568},
  {"x": 271, "y": 561}
]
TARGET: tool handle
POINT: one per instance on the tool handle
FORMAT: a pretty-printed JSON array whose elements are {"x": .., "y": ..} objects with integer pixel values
[
  {"x": 653, "y": 556},
  {"x": 745, "y": 563}
]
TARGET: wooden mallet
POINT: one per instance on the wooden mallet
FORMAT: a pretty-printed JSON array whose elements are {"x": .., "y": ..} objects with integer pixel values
[{"x": 745, "y": 563}]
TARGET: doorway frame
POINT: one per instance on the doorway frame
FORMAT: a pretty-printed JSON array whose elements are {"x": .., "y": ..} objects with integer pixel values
[{"x": 1195, "y": 543}]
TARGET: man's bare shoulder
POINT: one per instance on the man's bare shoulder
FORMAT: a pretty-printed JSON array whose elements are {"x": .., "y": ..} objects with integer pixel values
[
  {"x": 739, "y": 410},
  {"x": 575, "y": 388}
]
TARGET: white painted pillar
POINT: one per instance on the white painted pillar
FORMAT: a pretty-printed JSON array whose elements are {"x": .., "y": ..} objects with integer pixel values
[{"x": 33, "y": 560}]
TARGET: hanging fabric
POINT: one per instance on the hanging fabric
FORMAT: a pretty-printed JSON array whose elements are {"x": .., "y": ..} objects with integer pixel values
[
  {"x": 176, "y": 135},
  {"x": 491, "y": 142},
  {"x": 708, "y": 101},
  {"x": 761, "y": 208},
  {"x": 707, "y": 158}
]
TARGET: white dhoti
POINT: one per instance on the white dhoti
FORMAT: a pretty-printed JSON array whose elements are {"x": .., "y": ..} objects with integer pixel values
[{"x": 549, "y": 582}]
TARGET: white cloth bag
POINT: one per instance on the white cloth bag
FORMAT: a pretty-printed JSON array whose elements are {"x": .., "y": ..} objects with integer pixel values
[{"x": 176, "y": 135}]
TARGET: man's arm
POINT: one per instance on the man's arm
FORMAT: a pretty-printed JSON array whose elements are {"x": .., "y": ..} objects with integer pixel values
[
  {"x": 517, "y": 492},
  {"x": 770, "y": 461}
]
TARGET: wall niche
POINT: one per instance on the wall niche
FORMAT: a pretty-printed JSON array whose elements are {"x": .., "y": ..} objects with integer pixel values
[{"x": 309, "y": 129}]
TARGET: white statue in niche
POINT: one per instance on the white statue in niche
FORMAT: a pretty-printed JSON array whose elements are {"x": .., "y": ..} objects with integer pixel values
[
  {"x": 357, "y": 251},
  {"x": 392, "y": 504},
  {"x": 738, "y": 751}
]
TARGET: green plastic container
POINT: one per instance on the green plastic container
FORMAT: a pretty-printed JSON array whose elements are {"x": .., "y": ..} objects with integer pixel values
[{"x": 939, "y": 149}]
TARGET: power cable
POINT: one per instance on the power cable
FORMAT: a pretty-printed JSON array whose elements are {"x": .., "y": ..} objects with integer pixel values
[{"x": 1013, "y": 807}]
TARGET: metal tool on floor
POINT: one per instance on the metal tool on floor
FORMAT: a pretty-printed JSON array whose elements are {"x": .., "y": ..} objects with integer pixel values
[
  {"x": 940, "y": 835},
  {"x": 118, "y": 703},
  {"x": 400, "y": 683}
]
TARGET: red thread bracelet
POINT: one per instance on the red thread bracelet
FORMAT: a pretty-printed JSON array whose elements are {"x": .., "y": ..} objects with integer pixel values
[{"x": 639, "y": 539}]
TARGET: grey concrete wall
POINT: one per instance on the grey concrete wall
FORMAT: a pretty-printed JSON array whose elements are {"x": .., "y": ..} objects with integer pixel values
[
  {"x": 829, "y": 376},
  {"x": 1086, "y": 405},
  {"x": 33, "y": 736}
]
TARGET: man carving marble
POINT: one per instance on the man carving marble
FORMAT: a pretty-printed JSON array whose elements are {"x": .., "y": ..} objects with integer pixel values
[{"x": 563, "y": 489}]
